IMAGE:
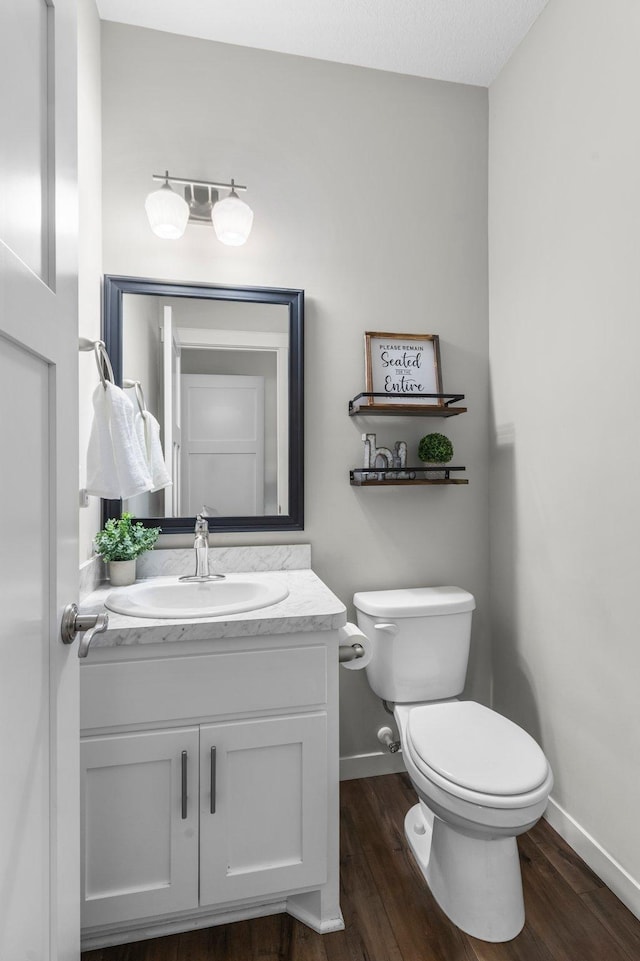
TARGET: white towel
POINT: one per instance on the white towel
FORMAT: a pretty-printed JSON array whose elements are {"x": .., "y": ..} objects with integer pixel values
[
  {"x": 116, "y": 462},
  {"x": 148, "y": 431}
]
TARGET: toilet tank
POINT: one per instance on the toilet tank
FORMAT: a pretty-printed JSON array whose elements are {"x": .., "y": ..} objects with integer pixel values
[{"x": 420, "y": 641}]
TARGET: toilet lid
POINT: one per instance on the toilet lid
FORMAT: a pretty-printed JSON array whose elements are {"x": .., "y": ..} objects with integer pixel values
[{"x": 474, "y": 747}]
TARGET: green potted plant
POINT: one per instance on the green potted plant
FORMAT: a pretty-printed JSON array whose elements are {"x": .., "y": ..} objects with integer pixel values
[
  {"x": 120, "y": 542},
  {"x": 434, "y": 450}
]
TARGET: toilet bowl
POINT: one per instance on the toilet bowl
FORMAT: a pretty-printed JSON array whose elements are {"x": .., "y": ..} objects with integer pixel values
[
  {"x": 480, "y": 779},
  {"x": 476, "y": 796}
]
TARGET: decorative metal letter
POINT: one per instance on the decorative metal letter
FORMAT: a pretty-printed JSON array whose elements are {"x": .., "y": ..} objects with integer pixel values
[{"x": 377, "y": 457}]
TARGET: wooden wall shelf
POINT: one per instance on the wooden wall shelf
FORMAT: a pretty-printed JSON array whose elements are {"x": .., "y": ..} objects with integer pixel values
[{"x": 366, "y": 403}]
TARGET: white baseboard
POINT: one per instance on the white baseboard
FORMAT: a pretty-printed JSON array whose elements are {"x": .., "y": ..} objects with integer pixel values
[
  {"x": 600, "y": 861},
  {"x": 370, "y": 765},
  {"x": 96, "y": 938}
]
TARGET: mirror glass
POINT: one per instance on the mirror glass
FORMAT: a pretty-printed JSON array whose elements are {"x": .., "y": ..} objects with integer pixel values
[{"x": 220, "y": 369}]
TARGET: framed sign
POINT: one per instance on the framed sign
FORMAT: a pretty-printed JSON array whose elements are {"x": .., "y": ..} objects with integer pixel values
[{"x": 401, "y": 367}]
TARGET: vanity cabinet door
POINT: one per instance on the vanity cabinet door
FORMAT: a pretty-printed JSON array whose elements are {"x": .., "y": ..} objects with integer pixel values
[
  {"x": 263, "y": 815},
  {"x": 139, "y": 825}
]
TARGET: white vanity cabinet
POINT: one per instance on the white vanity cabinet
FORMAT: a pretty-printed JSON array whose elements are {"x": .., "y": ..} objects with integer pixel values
[{"x": 209, "y": 784}]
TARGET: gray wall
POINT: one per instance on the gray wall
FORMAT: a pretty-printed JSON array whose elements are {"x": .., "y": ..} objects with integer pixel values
[
  {"x": 370, "y": 192},
  {"x": 565, "y": 341}
]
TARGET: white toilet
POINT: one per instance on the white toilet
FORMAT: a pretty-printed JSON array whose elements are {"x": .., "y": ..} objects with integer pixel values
[{"x": 480, "y": 778}]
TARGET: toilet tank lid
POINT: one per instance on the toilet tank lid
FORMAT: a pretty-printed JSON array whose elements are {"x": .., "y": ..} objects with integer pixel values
[{"x": 414, "y": 602}]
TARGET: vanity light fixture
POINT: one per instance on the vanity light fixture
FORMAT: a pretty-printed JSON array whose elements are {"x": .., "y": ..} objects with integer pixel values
[{"x": 169, "y": 212}]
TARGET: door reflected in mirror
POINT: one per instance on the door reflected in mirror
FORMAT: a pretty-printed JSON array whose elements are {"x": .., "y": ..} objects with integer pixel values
[{"x": 221, "y": 371}]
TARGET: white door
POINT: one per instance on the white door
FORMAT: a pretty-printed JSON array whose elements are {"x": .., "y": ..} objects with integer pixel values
[
  {"x": 259, "y": 340},
  {"x": 222, "y": 445},
  {"x": 172, "y": 438},
  {"x": 263, "y": 808},
  {"x": 139, "y": 825},
  {"x": 39, "y": 837}
]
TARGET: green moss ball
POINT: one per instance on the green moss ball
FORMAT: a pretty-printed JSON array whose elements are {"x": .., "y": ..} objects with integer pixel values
[{"x": 435, "y": 449}]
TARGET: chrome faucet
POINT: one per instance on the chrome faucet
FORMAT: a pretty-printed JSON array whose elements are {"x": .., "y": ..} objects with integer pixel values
[{"x": 201, "y": 547}]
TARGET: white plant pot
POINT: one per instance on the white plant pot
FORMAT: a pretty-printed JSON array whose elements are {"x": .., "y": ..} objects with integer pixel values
[
  {"x": 435, "y": 474},
  {"x": 122, "y": 573}
]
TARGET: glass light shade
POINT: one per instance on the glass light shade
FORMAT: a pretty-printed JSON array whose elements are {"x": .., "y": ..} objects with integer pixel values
[
  {"x": 232, "y": 220},
  {"x": 168, "y": 213}
]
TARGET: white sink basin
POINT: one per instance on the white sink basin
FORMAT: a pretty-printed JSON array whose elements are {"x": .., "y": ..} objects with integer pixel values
[{"x": 170, "y": 597}]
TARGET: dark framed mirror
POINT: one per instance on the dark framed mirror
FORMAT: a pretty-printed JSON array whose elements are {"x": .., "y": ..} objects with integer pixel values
[{"x": 222, "y": 371}]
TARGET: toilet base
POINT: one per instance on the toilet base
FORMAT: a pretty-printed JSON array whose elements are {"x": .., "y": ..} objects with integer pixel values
[{"x": 476, "y": 881}]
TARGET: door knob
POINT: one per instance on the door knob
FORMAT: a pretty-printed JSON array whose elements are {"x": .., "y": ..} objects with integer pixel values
[{"x": 86, "y": 624}]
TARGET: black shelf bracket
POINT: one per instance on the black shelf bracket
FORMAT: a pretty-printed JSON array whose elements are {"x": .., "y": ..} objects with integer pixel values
[
  {"x": 368, "y": 402},
  {"x": 407, "y": 476}
]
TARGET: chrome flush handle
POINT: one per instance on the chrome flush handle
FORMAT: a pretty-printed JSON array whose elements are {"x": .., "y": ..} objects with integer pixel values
[
  {"x": 88, "y": 625},
  {"x": 387, "y": 628}
]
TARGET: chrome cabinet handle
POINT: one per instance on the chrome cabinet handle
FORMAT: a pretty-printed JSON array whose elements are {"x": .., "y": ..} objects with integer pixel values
[
  {"x": 184, "y": 785},
  {"x": 89, "y": 625},
  {"x": 213, "y": 780}
]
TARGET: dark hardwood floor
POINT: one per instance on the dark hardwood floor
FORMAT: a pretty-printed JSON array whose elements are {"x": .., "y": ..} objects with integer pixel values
[{"x": 390, "y": 915}]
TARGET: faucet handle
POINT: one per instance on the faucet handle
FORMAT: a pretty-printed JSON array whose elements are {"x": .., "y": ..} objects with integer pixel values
[{"x": 202, "y": 525}]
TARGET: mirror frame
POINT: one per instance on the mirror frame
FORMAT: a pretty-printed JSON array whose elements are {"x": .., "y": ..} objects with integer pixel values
[{"x": 115, "y": 287}]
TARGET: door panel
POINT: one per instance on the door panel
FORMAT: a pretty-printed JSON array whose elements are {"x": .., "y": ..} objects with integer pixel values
[
  {"x": 251, "y": 768},
  {"x": 140, "y": 855},
  {"x": 39, "y": 859},
  {"x": 268, "y": 831},
  {"x": 223, "y": 484},
  {"x": 223, "y": 444},
  {"x": 24, "y": 678},
  {"x": 26, "y": 155}
]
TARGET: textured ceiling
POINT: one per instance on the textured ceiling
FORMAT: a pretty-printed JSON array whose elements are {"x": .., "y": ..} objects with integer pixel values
[{"x": 464, "y": 41}]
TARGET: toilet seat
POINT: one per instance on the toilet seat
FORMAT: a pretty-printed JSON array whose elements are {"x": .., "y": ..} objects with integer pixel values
[{"x": 477, "y": 755}]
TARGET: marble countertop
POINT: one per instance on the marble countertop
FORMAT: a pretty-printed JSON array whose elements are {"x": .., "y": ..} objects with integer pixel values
[{"x": 309, "y": 606}]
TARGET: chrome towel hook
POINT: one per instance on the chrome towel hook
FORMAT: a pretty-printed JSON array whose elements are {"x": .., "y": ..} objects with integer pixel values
[
  {"x": 103, "y": 362},
  {"x": 142, "y": 407}
]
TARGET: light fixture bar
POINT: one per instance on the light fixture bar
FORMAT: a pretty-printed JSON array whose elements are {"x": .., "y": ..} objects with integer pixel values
[{"x": 197, "y": 183}]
